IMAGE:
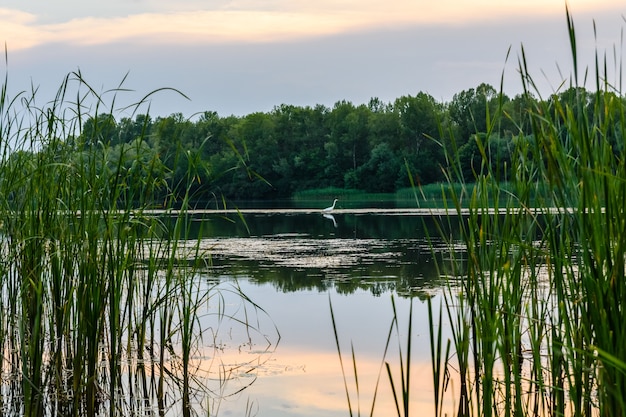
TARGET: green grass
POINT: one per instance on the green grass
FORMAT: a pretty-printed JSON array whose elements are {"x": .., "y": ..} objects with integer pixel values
[
  {"x": 344, "y": 194},
  {"x": 429, "y": 195},
  {"x": 436, "y": 196}
]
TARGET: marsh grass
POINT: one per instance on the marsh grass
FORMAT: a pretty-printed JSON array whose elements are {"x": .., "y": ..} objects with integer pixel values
[
  {"x": 536, "y": 286},
  {"x": 435, "y": 196},
  {"x": 351, "y": 379},
  {"x": 536, "y": 304},
  {"x": 99, "y": 311},
  {"x": 348, "y": 198}
]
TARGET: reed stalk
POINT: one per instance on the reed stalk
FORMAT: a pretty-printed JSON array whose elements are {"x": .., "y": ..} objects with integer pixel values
[
  {"x": 354, "y": 398},
  {"x": 535, "y": 301},
  {"x": 98, "y": 301}
]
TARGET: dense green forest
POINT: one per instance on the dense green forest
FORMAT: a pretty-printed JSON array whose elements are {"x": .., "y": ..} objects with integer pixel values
[{"x": 374, "y": 147}]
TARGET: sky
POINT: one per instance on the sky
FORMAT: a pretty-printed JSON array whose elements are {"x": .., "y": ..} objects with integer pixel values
[{"x": 244, "y": 56}]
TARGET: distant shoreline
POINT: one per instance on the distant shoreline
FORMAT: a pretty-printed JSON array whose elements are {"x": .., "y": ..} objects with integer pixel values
[{"x": 379, "y": 211}]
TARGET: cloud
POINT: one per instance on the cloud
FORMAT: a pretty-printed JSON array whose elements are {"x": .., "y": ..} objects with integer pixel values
[
  {"x": 17, "y": 31},
  {"x": 20, "y": 30},
  {"x": 266, "y": 21},
  {"x": 306, "y": 54}
]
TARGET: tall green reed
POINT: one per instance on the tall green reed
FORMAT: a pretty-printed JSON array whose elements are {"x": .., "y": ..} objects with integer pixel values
[
  {"x": 536, "y": 303},
  {"x": 399, "y": 381},
  {"x": 350, "y": 396},
  {"x": 98, "y": 304}
]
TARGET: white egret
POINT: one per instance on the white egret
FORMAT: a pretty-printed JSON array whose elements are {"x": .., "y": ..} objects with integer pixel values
[{"x": 331, "y": 208}]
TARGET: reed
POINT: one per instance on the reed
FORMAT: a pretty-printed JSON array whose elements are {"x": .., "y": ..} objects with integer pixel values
[
  {"x": 401, "y": 394},
  {"x": 535, "y": 300},
  {"x": 98, "y": 300},
  {"x": 354, "y": 397}
]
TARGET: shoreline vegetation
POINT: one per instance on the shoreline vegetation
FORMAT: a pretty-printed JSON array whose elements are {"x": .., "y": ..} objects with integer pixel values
[
  {"x": 534, "y": 300},
  {"x": 434, "y": 196},
  {"x": 100, "y": 309},
  {"x": 295, "y": 151}
]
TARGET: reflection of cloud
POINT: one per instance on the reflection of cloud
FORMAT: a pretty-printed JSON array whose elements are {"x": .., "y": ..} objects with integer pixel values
[
  {"x": 252, "y": 21},
  {"x": 312, "y": 381}
]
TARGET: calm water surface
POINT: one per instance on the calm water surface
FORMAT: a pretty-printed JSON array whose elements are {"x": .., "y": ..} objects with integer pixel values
[{"x": 293, "y": 265}]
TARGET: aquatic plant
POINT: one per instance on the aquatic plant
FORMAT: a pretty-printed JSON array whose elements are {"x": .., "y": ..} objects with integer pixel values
[
  {"x": 535, "y": 303},
  {"x": 102, "y": 307},
  {"x": 354, "y": 398}
]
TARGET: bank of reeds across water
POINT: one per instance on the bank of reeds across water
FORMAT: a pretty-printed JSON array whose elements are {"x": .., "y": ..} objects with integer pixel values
[
  {"x": 429, "y": 196},
  {"x": 535, "y": 299}
]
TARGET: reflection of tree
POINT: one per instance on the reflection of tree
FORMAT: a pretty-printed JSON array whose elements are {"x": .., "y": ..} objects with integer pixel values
[
  {"x": 412, "y": 273},
  {"x": 395, "y": 227},
  {"x": 302, "y": 252}
]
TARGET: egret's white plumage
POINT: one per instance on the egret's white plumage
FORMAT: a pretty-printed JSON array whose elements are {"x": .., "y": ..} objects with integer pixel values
[{"x": 331, "y": 208}]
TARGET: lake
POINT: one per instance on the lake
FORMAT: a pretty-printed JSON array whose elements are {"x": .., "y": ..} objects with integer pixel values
[{"x": 291, "y": 265}]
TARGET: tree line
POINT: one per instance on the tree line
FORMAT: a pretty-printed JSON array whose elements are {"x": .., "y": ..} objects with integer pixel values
[{"x": 374, "y": 147}]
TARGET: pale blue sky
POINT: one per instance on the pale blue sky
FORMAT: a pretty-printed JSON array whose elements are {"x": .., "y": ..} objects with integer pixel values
[{"x": 238, "y": 57}]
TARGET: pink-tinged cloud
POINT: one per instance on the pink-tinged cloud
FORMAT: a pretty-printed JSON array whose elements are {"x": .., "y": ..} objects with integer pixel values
[{"x": 269, "y": 22}]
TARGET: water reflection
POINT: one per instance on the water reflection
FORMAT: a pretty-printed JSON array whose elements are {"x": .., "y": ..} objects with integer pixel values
[
  {"x": 296, "y": 251},
  {"x": 292, "y": 264},
  {"x": 303, "y": 377},
  {"x": 331, "y": 218},
  {"x": 350, "y": 223}
]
